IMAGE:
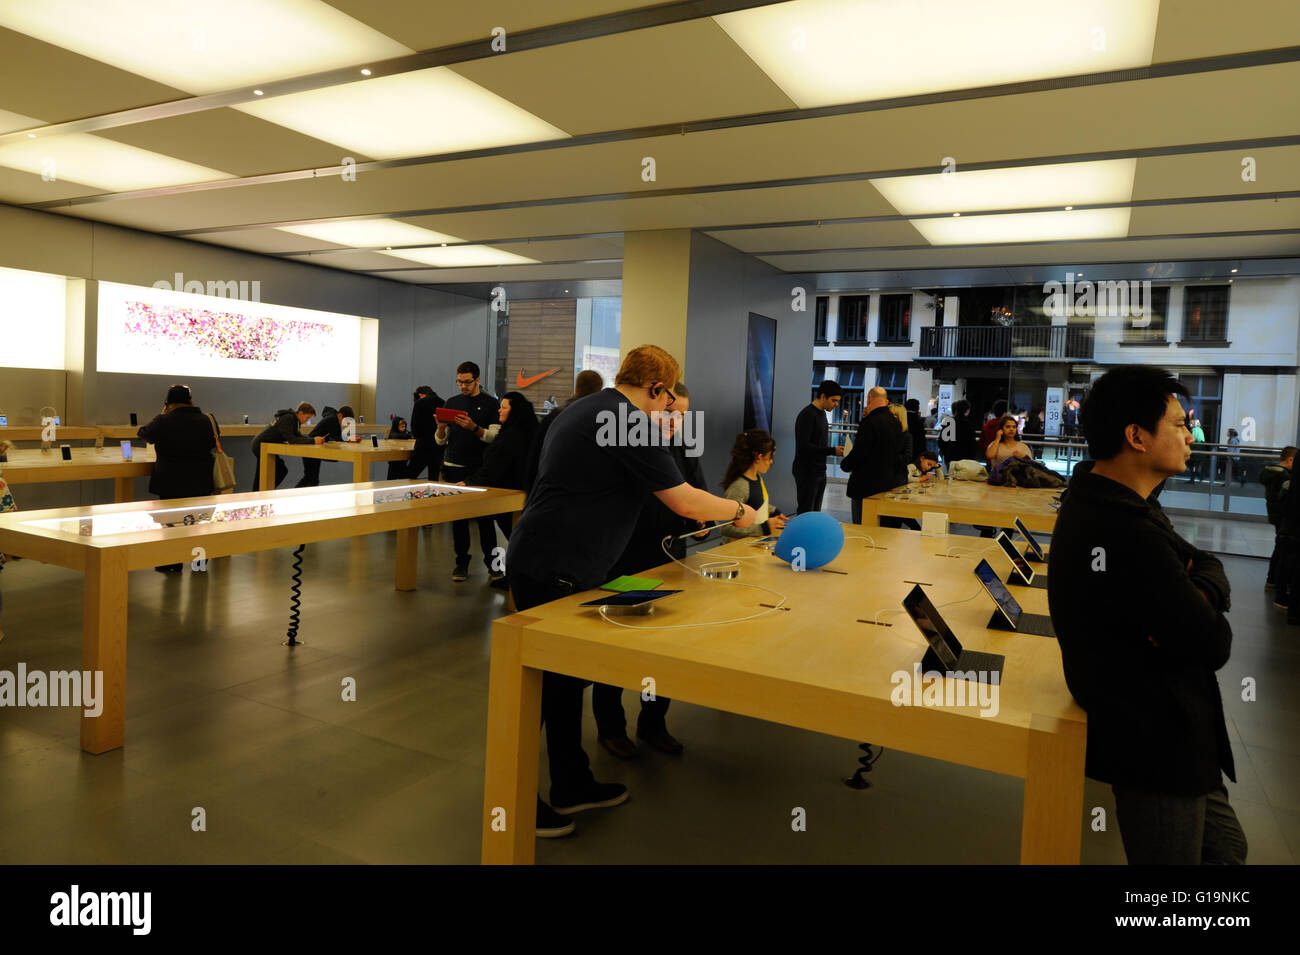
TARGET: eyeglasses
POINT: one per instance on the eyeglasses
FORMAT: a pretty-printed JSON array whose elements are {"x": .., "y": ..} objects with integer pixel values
[{"x": 466, "y": 381}]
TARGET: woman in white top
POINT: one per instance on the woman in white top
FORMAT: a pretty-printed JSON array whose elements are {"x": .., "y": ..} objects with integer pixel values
[{"x": 1008, "y": 443}]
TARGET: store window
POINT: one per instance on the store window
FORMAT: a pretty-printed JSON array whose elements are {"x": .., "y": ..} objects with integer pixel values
[
  {"x": 853, "y": 318},
  {"x": 895, "y": 320},
  {"x": 1205, "y": 313}
]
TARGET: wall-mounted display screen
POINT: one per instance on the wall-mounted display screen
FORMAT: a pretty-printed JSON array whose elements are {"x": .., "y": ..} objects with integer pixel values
[
  {"x": 145, "y": 330},
  {"x": 33, "y": 319}
]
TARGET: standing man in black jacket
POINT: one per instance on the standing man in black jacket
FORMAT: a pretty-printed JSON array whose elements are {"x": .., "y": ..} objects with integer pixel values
[
  {"x": 464, "y": 440},
  {"x": 183, "y": 440},
  {"x": 330, "y": 427},
  {"x": 1139, "y": 613},
  {"x": 812, "y": 447},
  {"x": 873, "y": 461},
  {"x": 915, "y": 428},
  {"x": 427, "y": 453},
  {"x": 285, "y": 429}
]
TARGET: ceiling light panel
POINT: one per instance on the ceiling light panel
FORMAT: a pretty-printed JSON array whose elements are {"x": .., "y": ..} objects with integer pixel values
[
  {"x": 204, "y": 46},
  {"x": 822, "y": 52},
  {"x": 1025, "y": 227},
  {"x": 1026, "y": 187},
  {"x": 409, "y": 114},
  {"x": 369, "y": 233},
  {"x": 461, "y": 256},
  {"x": 96, "y": 162}
]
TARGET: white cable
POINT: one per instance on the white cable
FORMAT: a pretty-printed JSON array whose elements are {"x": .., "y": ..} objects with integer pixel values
[
  {"x": 861, "y": 537},
  {"x": 980, "y": 550}
]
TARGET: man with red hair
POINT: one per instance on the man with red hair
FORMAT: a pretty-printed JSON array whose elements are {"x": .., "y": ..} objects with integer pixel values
[{"x": 576, "y": 524}]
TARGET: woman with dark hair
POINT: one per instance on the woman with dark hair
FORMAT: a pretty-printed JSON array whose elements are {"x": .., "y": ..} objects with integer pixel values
[
  {"x": 1008, "y": 443},
  {"x": 183, "y": 439},
  {"x": 752, "y": 455},
  {"x": 397, "y": 432},
  {"x": 505, "y": 460}
]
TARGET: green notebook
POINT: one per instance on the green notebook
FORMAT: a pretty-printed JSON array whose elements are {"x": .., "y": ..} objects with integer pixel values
[{"x": 621, "y": 585}]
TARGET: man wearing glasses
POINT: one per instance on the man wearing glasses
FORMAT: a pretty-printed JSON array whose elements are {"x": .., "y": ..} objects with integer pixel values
[{"x": 463, "y": 440}]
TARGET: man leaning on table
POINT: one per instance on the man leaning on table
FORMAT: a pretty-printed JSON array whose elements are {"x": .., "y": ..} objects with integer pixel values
[
  {"x": 596, "y": 468},
  {"x": 1139, "y": 613}
]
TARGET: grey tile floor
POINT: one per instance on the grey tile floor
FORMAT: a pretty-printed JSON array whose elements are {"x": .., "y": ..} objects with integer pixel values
[{"x": 222, "y": 717}]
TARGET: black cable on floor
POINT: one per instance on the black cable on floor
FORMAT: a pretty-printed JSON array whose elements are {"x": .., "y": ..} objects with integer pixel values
[{"x": 295, "y": 600}]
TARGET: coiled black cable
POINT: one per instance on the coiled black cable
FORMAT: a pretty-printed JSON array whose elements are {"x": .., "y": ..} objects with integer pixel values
[
  {"x": 858, "y": 779},
  {"x": 295, "y": 600}
]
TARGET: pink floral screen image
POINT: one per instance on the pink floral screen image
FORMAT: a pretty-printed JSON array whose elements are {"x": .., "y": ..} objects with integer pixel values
[{"x": 185, "y": 331}]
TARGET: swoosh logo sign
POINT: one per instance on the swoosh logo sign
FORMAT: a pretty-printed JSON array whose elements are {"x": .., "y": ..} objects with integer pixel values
[{"x": 521, "y": 382}]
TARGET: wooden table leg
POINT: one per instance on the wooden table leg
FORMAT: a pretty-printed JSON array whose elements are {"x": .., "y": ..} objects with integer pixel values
[
  {"x": 266, "y": 471},
  {"x": 408, "y": 557},
  {"x": 1052, "y": 825},
  {"x": 513, "y": 741},
  {"x": 103, "y": 647},
  {"x": 123, "y": 489},
  {"x": 360, "y": 470}
]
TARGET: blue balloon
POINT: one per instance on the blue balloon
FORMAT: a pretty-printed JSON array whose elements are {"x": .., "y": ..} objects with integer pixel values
[{"x": 818, "y": 534}]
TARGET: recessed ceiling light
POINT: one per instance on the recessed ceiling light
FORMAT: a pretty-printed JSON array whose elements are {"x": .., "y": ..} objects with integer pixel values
[
  {"x": 854, "y": 51},
  {"x": 205, "y": 46},
  {"x": 1106, "y": 181},
  {"x": 374, "y": 118},
  {"x": 1234, "y": 270},
  {"x": 1069, "y": 208},
  {"x": 956, "y": 214},
  {"x": 1025, "y": 227},
  {"x": 94, "y": 161},
  {"x": 365, "y": 72},
  {"x": 31, "y": 135},
  {"x": 258, "y": 93},
  {"x": 461, "y": 256},
  {"x": 369, "y": 233}
]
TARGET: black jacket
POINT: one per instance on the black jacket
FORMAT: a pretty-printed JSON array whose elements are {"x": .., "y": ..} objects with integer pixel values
[
  {"x": 183, "y": 444},
  {"x": 877, "y": 450},
  {"x": 965, "y": 445},
  {"x": 505, "y": 460},
  {"x": 811, "y": 440},
  {"x": 916, "y": 428},
  {"x": 283, "y": 430},
  {"x": 657, "y": 521},
  {"x": 329, "y": 426},
  {"x": 1139, "y": 643},
  {"x": 1274, "y": 477},
  {"x": 422, "y": 424},
  {"x": 535, "y": 449}
]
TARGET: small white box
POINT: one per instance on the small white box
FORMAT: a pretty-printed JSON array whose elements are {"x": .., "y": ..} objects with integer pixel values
[{"x": 934, "y": 524}]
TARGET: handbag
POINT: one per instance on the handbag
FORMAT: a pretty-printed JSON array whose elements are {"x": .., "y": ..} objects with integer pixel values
[
  {"x": 223, "y": 465},
  {"x": 967, "y": 470}
]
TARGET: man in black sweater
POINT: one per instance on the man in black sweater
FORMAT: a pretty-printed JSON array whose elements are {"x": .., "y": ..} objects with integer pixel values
[
  {"x": 463, "y": 442},
  {"x": 1139, "y": 613},
  {"x": 330, "y": 427},
  {"x": 812, "y": 447},
  {"x": 873, "y": 461},
  {"x": 285, "y": 429},
  {"x": 427, "y": 453}
]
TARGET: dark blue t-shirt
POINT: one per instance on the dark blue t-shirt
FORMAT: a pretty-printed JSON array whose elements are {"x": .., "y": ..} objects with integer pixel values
[{"x": 584, "y": 506}]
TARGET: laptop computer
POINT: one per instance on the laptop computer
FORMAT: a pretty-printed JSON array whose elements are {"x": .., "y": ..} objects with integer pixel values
[
  {"x": 1009, "y": 615},
  {"x": 946, "y": 654},
  {"x": 1022, "y": 575},
  {"x": 1035, "y": 552}
]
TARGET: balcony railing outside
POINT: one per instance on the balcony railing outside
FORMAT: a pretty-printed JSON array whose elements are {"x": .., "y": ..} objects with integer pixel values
[{"x": 1030, "y": 342}]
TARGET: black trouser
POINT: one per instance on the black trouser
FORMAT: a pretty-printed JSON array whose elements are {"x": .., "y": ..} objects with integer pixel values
[
  {"x": 561, "y": 698},
  {"x": 1275, "y": 559},
  {"x": 310, "y": 473},
  {"x": 281, "y": 471},
  {"x": 487, "y": 535},
  {"x": 611, "y": 721},
  {"x": 855, "y": 509},
  {"x": 1288, "y": 584},
  {"x": 809, "y": 485},
  {"x": 426, "y": 453},
  {"x": 1159, "y": 829}
]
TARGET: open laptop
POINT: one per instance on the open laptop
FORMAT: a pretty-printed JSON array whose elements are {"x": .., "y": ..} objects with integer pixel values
[
  {"x": 1009, "y": 615},
  {"x": 946, "y": 654},
  {"x": 1036, "y": 552},
  {"x": 1022, "y": 575}
]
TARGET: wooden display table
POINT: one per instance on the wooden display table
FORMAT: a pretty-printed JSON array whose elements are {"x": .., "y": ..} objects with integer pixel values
[
  {"x": 63, "y": 432},
  {"x": 33, "y": 466},
  {"x": 967, "y": 502},
  {"x": 815, "y": 666},
  {"x": 362, "y": 454},
  {"x": 120, "y": 432},
  {"x": 108, "y": 541}
]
